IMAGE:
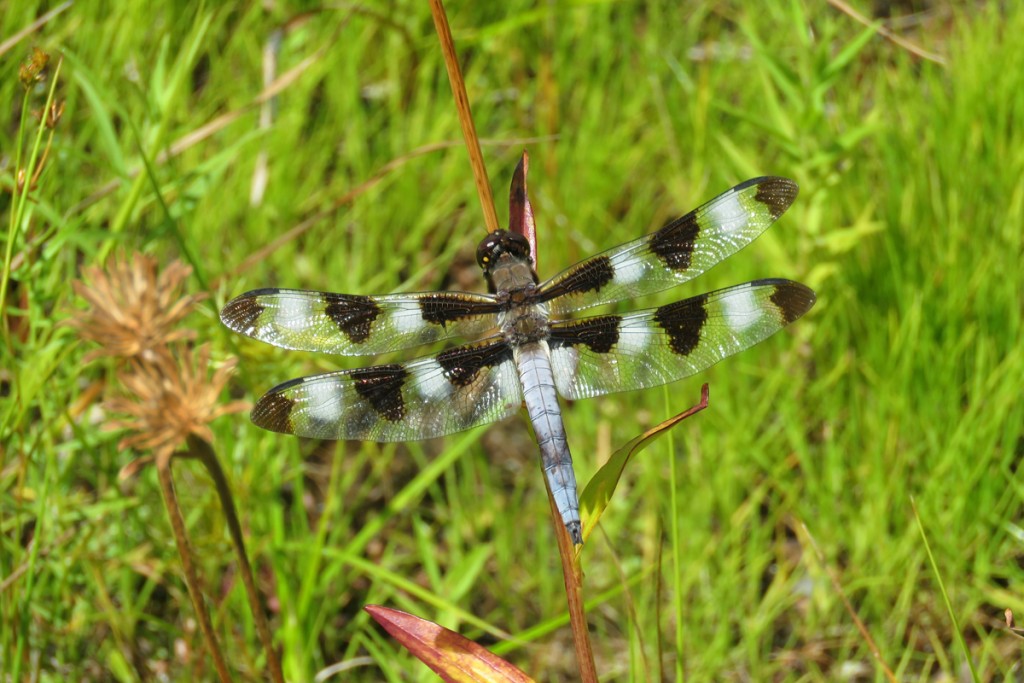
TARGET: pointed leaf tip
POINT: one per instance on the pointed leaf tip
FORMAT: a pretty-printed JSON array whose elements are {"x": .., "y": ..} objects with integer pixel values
[
  {"x": 520, "y": 211},
  {"x": 450, "y": 655}
]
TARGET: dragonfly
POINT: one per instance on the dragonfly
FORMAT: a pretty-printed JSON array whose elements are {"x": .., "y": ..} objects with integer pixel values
[{"x": 526, "y": 342}]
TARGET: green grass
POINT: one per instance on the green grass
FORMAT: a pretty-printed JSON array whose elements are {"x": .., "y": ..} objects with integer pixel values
[{"x": 904, "y": 381}]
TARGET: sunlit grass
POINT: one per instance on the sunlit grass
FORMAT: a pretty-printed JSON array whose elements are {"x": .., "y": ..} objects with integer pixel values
[{"x": 903, "y": 381}]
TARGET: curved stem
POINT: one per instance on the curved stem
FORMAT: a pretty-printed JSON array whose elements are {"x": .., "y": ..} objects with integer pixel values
[
  {"x": 163, "y": 468},
  {"x": 200, "y": 449}
]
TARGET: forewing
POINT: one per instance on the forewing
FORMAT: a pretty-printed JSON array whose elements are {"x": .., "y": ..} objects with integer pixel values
[
  {"x": 353, "y": 325},
  {"x": 452, "y": 391},
  {"x": 678, "y": 252},
  {"x": 609, "y": 353}
]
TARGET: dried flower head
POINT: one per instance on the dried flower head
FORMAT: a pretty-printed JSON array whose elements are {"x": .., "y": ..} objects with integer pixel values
[
  {"x": 133, "y": 309},
  {"x": 171, "y": 399},
  {"x": 31, "y": 71},
  {"x": 52, "y": 115}
]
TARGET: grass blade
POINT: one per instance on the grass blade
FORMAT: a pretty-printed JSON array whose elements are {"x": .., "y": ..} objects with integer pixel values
[{"x": 945, "y": 595}]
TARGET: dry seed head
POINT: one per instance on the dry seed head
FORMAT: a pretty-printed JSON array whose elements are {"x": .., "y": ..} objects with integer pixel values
[
  {"x": 51, "y": 116},
  {"x": 170, "y": 399},
  {"x": 31, "y": 71},
  {"x": 133, "y": 310}
]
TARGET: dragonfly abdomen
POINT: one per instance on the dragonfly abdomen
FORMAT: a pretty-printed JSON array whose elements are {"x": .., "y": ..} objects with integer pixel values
[{"x": 538, "y": 382}]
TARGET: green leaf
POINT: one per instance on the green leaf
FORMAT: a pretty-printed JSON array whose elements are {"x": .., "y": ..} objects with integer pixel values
[{"x": 601, "y": 487}]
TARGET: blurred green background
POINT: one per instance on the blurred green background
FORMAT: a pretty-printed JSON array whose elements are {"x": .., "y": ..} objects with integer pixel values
[{"x": 902, "y": 386}]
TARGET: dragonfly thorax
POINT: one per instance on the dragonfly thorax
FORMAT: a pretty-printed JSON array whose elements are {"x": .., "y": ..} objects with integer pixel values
[{"x": 525, "y": 325}]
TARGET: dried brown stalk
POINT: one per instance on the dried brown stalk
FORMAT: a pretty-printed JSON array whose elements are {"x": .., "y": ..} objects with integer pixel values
[
  {"x": 807, "y": 539},
  {"x": 163, "y": 470},
  {"x": 476, "y": 158},
  {"x": 887, "y": 34},
  {"x": 572, "y": 576}
]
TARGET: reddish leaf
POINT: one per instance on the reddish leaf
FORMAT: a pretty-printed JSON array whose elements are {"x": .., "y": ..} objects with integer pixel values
[
  {"x": 451, "y": 656},
  {"x": 520, "y": 212},
  {"x": 599, "y": 490}
]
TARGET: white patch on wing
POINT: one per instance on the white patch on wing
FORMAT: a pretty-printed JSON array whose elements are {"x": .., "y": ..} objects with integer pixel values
[
  {"x": 295, "y": 313},
  {"x": 564, "y": 360},
  {"x": 322, "y": 401},
  {"x": 407, "y": 320},
  {"x": 728, "y": 214},
  {"x": 634, "y": 336},
  {"x": 429, "y": 380},
  {"x": 741, "y": 309},
  {"x": 630, "y": 270},
  {"x": 508, "y": 384}
]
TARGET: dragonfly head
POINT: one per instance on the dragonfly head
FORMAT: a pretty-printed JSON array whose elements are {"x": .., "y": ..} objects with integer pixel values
[{"x": 499, "y": 243}]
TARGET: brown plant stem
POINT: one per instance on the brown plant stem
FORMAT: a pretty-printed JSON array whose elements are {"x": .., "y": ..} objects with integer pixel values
[
  {"x": 163, "y": 468},
  {"x": 887, "y": 34},
  {"x": 200, "y": 449},
  {"x": 33, "y": 27},
  {"x": 807, "y": 539},
  {"x": 572, "y": 574},
  {"x": 476, "y": 158}
]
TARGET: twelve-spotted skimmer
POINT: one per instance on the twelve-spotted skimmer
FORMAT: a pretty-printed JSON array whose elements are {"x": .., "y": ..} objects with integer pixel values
[{"x": 535, "y": 349}]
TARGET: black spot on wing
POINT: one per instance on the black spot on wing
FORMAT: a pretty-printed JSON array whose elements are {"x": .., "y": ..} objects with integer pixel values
[
  {"x": 381, "y": 386},
  {"x": 775, "y": 193},
  {"x": 674, "y": 244},
  {"x": 683, "y": 322},
  {"x": 274, "y": 410},
  {"x": 241, "y": 313},
  {"x": 462, "y": 365},
  {"x": 600, "y": 333},
  {"x": 441, "y": 309},
  {"x": 354, "y": 315},
  {"x": 792, "y": 299},
  {"x": 589, "y": 276}
]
